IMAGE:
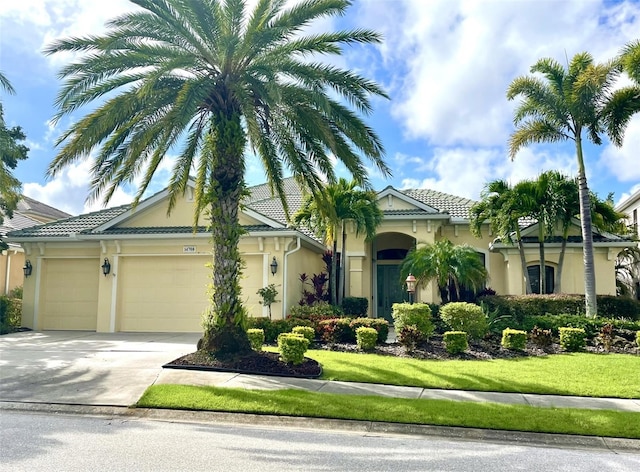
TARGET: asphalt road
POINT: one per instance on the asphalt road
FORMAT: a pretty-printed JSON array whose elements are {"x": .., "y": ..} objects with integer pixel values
[{"x": 57, "y": 442}]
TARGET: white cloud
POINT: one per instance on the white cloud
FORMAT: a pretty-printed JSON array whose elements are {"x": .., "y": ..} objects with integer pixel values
[
  {"x": 453, "y": 60},
  {"x": 626, "y": 195},
  {"x": 68, "y": 191},
  {"x": 624, "y": 162},
  {"x": 465, "y": 171}
]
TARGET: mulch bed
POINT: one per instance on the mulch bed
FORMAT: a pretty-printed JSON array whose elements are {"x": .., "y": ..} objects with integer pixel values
[
  {"x": 268, "y": 363},
  {"x": 260, "y": 363}
]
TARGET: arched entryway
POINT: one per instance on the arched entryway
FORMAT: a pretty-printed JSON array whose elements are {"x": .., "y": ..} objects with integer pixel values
[{"x": 389, "y": 249}]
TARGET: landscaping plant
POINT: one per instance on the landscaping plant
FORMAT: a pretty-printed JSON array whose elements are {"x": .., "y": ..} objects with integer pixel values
[
  {"x": 268, "y": 294},
  {"x": 541, "y": 337},
  {"x": 410, "y": 337},
  {"x": 467, "y": 317},
  {"x": 572, "y": 339},
  {"x": 256, "y": 338},
  {"x": 366, "y": 338},
  {"x": 455, "y": 342},
  {"x": 514, "y": 339},
  {"x": 306, "y": 331},
  {"x": 416, "y": 314},
  {"x": 292, "y": 347}
]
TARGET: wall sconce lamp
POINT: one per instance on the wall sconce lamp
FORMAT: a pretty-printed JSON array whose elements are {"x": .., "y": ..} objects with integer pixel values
[
  {"x": 28, "y": 268},
  {"x": 274, "y": 266},
  {"x": 106, "y": 267},
  {"x": 411, "y": 286}
]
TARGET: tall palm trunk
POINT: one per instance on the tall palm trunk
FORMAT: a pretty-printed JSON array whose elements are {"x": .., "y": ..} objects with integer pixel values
[
  {"x": 343, "y": 263},
  {"x": 543, "y": 271},
  {"x": 557, "y": 285},
  {"x": 587, "y": 234},
  {"x": 333, "y": 276},
  {"x": 225, "y": 321},
  {"x": 523, "y": 262}
]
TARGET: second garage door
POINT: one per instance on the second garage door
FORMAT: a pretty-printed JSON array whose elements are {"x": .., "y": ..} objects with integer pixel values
[{"x": 162, "y": 294}]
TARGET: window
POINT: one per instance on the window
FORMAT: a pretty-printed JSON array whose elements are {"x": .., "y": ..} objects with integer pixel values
[{"x": 534, "y": 278}]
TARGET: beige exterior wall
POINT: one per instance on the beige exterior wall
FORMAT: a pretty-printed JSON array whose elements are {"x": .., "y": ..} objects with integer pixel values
[
  {"x": 11, "y": 273},
  {"x": 303, "y": 260}
]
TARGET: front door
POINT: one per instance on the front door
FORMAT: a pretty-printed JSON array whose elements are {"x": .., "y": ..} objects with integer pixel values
[{"x": 390, "y": 290}]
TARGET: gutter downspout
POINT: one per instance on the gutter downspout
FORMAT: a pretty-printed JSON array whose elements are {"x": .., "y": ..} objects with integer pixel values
[
  {"x": 7, "y": 272},
  {"x": 285, "y": 287}
]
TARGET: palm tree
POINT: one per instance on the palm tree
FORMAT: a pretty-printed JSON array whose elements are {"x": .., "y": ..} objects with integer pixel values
[
  {"x": 631, "y": 60},
  {"x": 204, "y": 80},
  {"x": 537, "y": 200},
  {"x": 11, "y": 152},
  {"x": 565, "y": 105},
  {"x": 448, "y": 265},
  {"x": 342, "y": 202},
  {"x": 628, "y": 272},
  {"x": 502, "y": 208}
]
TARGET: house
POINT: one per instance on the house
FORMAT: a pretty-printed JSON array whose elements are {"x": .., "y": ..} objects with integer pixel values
[
  {"x": 138, "y": 269},
  {"x": 631, "y": 207},
  {"x": 29, "y": 212}
]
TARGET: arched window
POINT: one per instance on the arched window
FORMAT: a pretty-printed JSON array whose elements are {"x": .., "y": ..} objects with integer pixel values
[{"x": 534, "y": 278}]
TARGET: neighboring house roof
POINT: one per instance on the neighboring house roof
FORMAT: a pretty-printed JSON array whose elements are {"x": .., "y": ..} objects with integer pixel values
[
  {"x": 39, "y": 211},
  {"x": 633, "y": 200}
]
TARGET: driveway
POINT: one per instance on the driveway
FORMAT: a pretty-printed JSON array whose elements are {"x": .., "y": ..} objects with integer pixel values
[{"x": 85, "y": 368}]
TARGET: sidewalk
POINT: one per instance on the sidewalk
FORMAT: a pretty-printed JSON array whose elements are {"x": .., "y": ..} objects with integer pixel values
[{"x": 258, "y": 382}]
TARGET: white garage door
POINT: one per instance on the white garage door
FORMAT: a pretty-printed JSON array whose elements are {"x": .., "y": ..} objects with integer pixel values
[{"x": 69, "y": 294}]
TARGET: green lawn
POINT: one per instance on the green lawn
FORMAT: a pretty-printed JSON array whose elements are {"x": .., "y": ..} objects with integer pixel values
[
  {"x": 582, "y": 374},
  {"x": 368, "y": 408}
]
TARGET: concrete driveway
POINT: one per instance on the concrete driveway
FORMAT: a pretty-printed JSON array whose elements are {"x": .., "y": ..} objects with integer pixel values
[{"x": 85, "y": 368}]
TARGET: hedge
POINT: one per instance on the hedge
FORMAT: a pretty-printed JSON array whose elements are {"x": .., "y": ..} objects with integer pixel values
[
  {"x": 10, "y": 314},
  {"x": 522, "y": 306}
]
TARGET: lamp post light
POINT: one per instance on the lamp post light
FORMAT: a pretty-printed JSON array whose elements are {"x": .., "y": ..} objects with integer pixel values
[
  {"x": 274, "y": 266},
  {"x": 411, "y": 286}
]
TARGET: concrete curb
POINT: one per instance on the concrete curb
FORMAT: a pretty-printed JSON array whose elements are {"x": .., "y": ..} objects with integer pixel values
[{"x": 617, "y": 445}]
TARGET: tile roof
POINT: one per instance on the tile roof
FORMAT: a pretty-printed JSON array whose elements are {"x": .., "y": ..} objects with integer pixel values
[
  {"x": 457, "y": 207},
  {"x": 70, "y": 226},
  {"x": 174, "y": 230},
  {"x": 28, "y": 205},
  {"x": 412, "y": 212}
]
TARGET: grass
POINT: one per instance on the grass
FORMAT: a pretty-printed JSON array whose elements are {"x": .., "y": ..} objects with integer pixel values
[
  {"x": 581, "y": 374},
  {"x": 367, "y": 408}
]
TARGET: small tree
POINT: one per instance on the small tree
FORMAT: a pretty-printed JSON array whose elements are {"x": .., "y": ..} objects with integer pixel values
[{"x": 268, "y": 294}]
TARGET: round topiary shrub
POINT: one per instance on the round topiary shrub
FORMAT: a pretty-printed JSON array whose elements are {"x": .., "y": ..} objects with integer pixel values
[
  {"x": 638, "y": 338},
  {"x": 366, "y": 338},
  {"x": 256, "y": 338},
  {"x": 416, "y": 314},
  {"x": 572, "y": 339},
  {"x": 306, "y": 331},
  {"x": 514, "y": 339},
  {"x": 467, "y": 317},
  {"x": 455, "y": 342},
  {"x": 292, "y": 347}
]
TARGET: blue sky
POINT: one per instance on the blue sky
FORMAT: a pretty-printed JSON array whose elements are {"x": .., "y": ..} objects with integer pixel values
[{"x": 445, "y": 64}]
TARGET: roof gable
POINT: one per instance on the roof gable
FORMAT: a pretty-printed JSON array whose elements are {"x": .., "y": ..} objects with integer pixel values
[{"x": 391, "y": 200}]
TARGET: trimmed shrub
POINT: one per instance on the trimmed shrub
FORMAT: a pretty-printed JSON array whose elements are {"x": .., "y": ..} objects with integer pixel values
[
  {"x": 522, "y": 306},
  {"x": 355, "y": 306},
  {"x": 314, "y": 311},
  {"x": 256, "y": 338},
  {"x": 306, "y": 331},
  {"x": 410, "y": 336},
  {"x": 366, "y": 338},
  {"x": 541, "y": 337},
  {"x": 417, "y": 314},
  {"x": 292, "y": 347},
  {"x": 336, "y": 330},
  {"x": 572, "y": 339},
  {"x": 380, "y": 325},
  {"x": 638, "y": 338},
  {"x": 514, "y": 339},
  {"x": 455, "y": 342},
  {"x": 272, "y": 328},
  {"x": 467, "y": 317},
  {"x": 10, "y": 314}
]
